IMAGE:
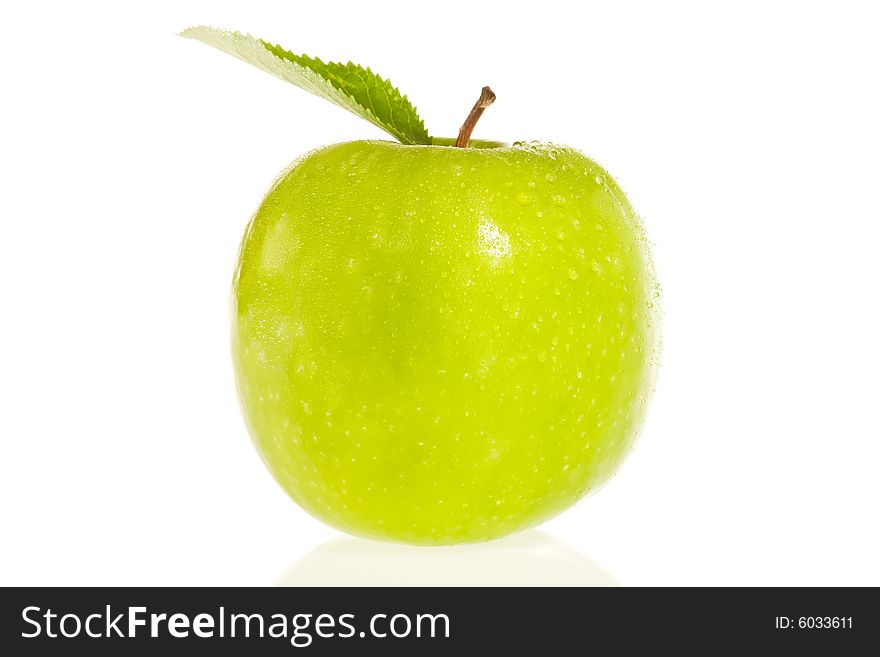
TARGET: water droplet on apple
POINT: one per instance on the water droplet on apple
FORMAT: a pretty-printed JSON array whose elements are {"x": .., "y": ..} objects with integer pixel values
[
  {"x": 550, "y": 178},
  {"x": 600, "y": 180},
  {"x": 573, "y": 274},
  {"x": 558, "y": 199},
  {"x": 523, "y": 198}
]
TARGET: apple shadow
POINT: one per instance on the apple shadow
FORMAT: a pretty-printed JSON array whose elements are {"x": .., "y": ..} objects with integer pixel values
[{"x": 531, "y": 558}]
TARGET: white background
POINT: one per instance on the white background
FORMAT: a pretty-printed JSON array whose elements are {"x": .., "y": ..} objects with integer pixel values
[{"x": 131, "y": 159}]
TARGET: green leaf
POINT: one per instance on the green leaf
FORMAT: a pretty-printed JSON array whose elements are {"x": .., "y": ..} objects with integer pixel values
[{"x": 349, "y": 86}]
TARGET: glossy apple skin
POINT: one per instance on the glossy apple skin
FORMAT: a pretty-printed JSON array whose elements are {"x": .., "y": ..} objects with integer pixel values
[{"x": 438, "y": 345}]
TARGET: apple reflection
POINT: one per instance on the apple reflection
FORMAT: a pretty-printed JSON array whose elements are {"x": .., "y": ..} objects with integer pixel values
[{"x": 531, "y": 558}]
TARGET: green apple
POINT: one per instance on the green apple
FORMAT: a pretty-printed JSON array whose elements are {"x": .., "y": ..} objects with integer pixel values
[{"x": 437, "y": 344}]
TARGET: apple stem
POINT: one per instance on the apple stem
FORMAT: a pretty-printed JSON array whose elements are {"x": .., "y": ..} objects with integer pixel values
[{"x": 487, "y": 97}]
